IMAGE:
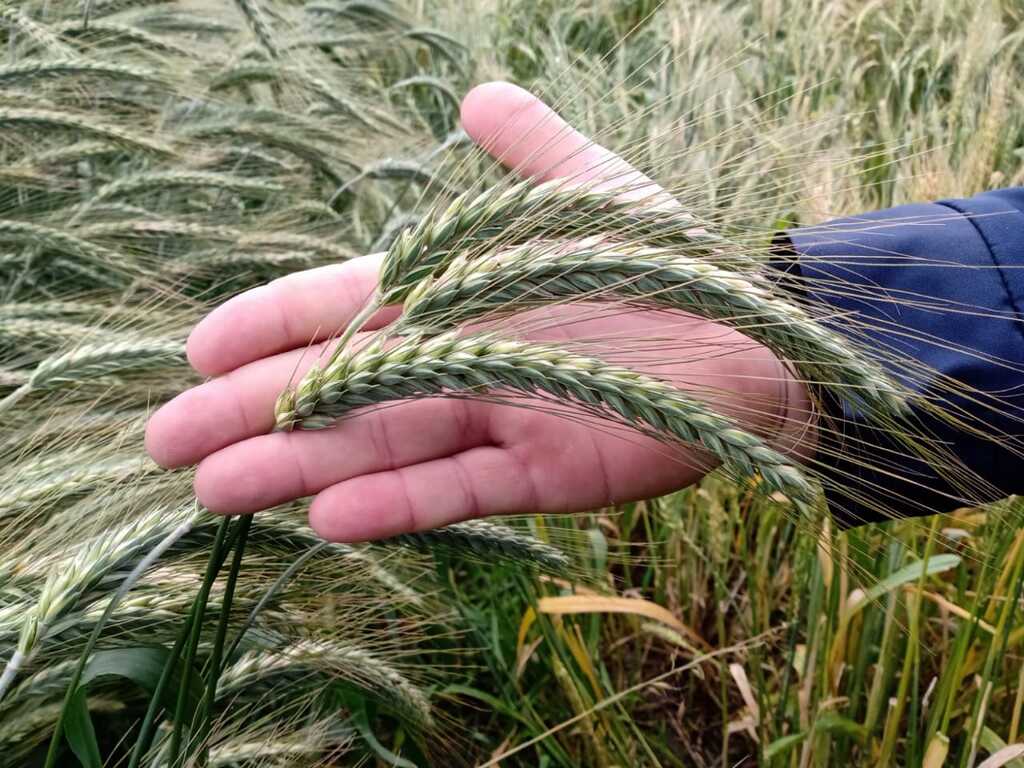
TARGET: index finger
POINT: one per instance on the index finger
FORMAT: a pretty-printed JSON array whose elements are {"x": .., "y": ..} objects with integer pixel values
[{"x": 288, "y": 313}]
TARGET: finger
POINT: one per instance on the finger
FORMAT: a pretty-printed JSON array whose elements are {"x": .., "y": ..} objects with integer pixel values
[
  {"x": 271, "y": 469},
  {"x": 232, "y": 407},
  {"x": 525, "y": 134},
  {"x": 478, "y": 482},
  {"x": 287, "y": 313}
]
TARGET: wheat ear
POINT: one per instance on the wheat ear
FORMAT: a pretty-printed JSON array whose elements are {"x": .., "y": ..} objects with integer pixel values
[
  {"x": 18, "y": 74},
  {"x": 91, "y": 361},
  {"x": 15, "y": 19},
  {"x": 351, "y": 662},
  {"x": 471, "y": 288},
  {"x": 161, "y": 181},
  {"x": 99, "y": 33},
  {"x": 257, "y": 21},
  {"x": 489, "y": 541},
  {"x": 448, "y": 364},
  {"x": 522, "y": 212},
  {"x": 92, "y": 563},
  {"x": 50, "y": 238},
  {"x": 28, "y": 119}
]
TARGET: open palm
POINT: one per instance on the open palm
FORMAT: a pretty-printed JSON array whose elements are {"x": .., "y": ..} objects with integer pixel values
[{"x": 432, "y": 462}]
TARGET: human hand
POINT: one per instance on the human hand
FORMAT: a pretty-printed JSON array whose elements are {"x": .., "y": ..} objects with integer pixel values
[{"x": 436, "y": 461}]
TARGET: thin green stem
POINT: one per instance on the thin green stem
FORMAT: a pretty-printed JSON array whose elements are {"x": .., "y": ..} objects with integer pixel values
[
  {"x": 283, "y": 579},
  {"x": 213, "y": 566},
  {"x": 214, "y": 665},
  {"x": 355, "y": 325},
  {"x": 148, "y": 727}
]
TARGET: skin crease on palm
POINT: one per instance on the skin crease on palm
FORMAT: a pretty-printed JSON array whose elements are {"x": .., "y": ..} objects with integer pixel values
[{"x": 428, "y": 463}]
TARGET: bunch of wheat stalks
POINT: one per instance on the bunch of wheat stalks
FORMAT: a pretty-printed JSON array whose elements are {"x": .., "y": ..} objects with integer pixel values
[{"x": 158, "y": 156}]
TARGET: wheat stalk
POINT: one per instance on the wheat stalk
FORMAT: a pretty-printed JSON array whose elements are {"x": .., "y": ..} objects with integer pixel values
[
  {"x": 448, "y": 364},
  {"x": 471, "y": 288}
]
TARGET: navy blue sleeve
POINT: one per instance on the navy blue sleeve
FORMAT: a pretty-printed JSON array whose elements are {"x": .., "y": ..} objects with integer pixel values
[{"x": 938, "y": 289}]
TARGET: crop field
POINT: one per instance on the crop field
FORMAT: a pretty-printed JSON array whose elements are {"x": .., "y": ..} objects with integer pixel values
[{"x": 159, "y": 157}]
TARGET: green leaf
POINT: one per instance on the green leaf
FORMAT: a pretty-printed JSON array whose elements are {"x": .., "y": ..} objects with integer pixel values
[
  {"x": 783, "y": 745},
  {"x": 79, "y": 732},
  {"x": 831, "y": 722},
  {"x": 362, "y": 723},
  {"x": 911, "y": 572},
  {"x": 143, "y": 666}
]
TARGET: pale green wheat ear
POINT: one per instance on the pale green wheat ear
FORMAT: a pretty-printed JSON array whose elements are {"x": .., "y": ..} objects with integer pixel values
[
  {"x": 91, "y": 361},
  {"x": 527, "y": 210},
  {"x": 490, "y": 287},
  {"x": 474, "y": 365},
  {"x": 488, "y": 541}
]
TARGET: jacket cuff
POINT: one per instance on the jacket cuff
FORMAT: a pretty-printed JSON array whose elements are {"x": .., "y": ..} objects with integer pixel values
[{"x": 929, "y": 287}]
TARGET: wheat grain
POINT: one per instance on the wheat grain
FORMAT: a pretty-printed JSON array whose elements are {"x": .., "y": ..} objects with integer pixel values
[{"x": 421, "y": 366}]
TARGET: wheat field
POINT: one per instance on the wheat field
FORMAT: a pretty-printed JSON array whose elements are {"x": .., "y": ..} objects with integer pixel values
[{"x": 160, "y": 156}]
